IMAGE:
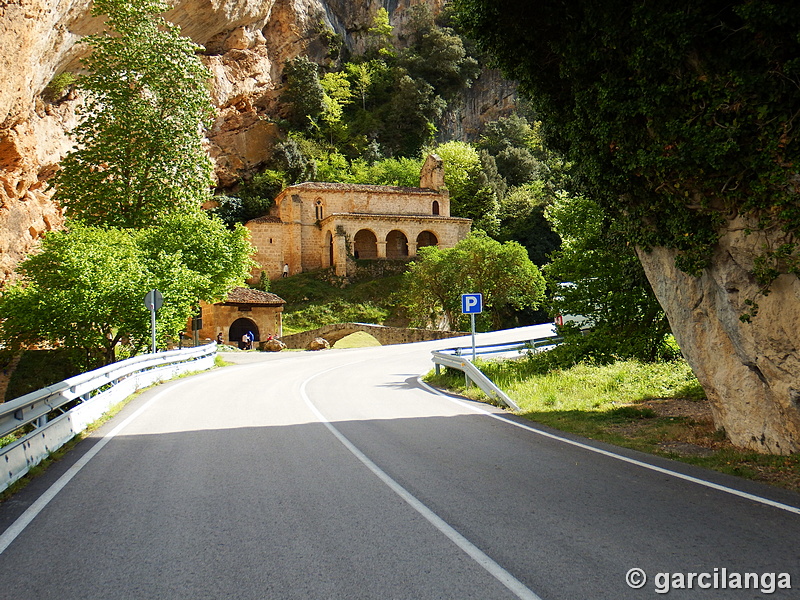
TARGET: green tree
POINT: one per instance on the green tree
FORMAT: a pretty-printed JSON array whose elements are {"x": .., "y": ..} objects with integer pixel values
[
  {"x": 139, "y": 151},
  {"x": 607, "y": 286},
  {"x": 678, "y": 117},
  {"x": 503, "y": 273},
  {"x": 471, "y": 193},
  {"x": 303, "y": 92},
  {"x": 132, "y": 192},
  {"x": 85, "y": 288},
  {"x": 380, "y": 35},
  {"x": 522, "y": 219},
  {"x": 437, "y": 55}
]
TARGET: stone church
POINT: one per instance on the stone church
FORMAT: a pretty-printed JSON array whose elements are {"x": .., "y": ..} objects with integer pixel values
[{"x": 317, "y": 225}]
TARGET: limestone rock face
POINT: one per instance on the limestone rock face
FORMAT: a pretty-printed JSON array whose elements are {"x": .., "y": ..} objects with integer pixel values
[{"x": 748, "y": 370}]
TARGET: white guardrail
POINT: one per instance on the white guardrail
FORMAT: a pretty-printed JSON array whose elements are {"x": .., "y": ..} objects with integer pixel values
[
  {"x": 96, "y": 391},
  {"x": 458, "y": 358}
]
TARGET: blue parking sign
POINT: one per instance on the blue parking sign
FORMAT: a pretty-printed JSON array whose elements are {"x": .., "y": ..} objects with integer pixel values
[{"x": 471, "y": 304}]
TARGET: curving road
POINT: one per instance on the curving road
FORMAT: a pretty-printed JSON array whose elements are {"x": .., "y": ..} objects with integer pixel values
[{"x": 339, "y": 475}]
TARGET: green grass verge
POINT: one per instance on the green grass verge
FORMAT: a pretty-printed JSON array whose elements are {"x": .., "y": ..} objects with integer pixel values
[
  {"x": 622, "y": 404},
  {"x": 359, "y": 339}
]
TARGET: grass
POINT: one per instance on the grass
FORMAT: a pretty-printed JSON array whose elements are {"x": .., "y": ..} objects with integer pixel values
[
  {"x": 359, "y": 339},
  {"x": 655, "y": 408},
  {"x": 313, "y": 301}
]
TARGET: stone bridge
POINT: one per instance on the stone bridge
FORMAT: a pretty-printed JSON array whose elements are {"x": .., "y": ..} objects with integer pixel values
[{"x": 385, "y": 335}]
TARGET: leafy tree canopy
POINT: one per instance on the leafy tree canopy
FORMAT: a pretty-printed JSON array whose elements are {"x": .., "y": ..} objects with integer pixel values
[
  {"x": 503, "y": 273},
  {"x": 139, "y": 150},
  {"x": 132, "y": 190},
  {"x": 607, "y": 286},
  {"x": 85, "y": 287},
  {"x": 675, "y": 114},
  {"x": 471, "y": 194}
]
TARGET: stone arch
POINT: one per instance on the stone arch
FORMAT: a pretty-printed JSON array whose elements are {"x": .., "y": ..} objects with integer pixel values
[
  {"x": 365, "y": 244},
  {"x": 396, "y": 244},
  {"x": 241, "y": 326},
  {"x": 427, "y": 238},
  {"x": 435, "y": 207}
]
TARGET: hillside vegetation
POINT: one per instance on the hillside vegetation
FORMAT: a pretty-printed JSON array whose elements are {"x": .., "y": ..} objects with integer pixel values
[{"x": 315, "y": 299}]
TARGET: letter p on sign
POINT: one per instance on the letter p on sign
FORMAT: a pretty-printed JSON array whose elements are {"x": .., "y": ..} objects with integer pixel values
[{"x": 471, "y": 304}]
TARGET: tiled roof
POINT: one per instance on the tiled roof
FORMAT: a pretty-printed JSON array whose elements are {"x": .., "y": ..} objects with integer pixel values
[
  {"x": 360, "y": 187},
  {"x": 242, "y": 295},
  {"x": 266, "y": 219}
]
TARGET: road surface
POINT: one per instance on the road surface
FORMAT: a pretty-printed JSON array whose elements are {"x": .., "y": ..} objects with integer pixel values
[{"x": 337, "y": 474}]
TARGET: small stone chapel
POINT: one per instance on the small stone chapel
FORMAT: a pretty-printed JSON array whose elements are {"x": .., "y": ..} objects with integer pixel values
[{"x": 317, "y": 225}]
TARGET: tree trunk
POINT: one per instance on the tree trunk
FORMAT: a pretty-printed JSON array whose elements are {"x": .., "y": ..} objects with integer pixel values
[{"x": 748, "y": 370}]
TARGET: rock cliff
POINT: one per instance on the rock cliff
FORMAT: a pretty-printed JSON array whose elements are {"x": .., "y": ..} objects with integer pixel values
[
  {"x": 247, "y": 42},
  {"x": 748, "y": 370}
]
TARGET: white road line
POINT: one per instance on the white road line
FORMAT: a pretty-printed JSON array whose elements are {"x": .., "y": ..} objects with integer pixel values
[
  {"x": 507, "y": 579},
  {"x": 633, "y": 461},
  {"x": 18, "y": 526}
]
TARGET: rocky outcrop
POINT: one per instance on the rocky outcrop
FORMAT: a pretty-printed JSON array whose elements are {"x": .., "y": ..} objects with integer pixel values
[{"x": 748, "y": 370}]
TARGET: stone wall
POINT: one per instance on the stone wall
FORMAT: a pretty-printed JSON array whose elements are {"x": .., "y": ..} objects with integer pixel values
[
  {"x": 387, "y": 336},
  {"x": 217, "y": 318}
]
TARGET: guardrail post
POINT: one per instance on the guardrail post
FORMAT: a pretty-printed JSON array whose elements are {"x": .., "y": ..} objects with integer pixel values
[{"x": 438, "y": 369}]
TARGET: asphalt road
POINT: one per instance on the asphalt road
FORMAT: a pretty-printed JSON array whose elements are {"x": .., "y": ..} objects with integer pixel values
[{"x": 339, "y": 475}]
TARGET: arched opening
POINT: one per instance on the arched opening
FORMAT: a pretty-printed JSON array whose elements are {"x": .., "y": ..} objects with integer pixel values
[
  {"x": 241, "y": 326},
  {"x": 365, "y": 244},
  {"x": 427, "y": 238},
  {"x": 435, "y": 207},
  {"x": 318, "y": 210},
  {"x": 396, "y": 245}
]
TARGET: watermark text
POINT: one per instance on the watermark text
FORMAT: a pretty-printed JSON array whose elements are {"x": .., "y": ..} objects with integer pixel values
[{"x": 718, "y": 579}]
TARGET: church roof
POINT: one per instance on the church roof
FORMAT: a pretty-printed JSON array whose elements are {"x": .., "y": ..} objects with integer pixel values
[
  {"x": 361, "y": 187},
  {"x": 243, "y": 295},
  {"x": 266, "y": 219}
]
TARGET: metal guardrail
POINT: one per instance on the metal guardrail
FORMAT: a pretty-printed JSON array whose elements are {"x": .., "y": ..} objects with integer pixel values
[
  {"x": 95, "y": 391},
  {"x": 457, "y": 358},
  {"x": 534, "y": 345}
]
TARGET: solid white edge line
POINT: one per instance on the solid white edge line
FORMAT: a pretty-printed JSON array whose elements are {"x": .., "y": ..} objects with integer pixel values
[
  {"x": 18, "y": 526},
  {"x": 633, "y": 461},
  {"x": 507, "y": 579}
]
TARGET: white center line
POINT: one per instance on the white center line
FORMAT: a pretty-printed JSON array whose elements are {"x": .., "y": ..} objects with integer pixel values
[{"x": 498, "y": 572}]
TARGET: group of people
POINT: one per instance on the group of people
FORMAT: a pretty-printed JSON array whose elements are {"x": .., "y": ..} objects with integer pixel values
[{"x": 246, "y": 342}]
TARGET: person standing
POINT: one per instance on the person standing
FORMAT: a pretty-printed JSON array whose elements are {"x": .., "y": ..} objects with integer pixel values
[{"x": 285, "y": 270}]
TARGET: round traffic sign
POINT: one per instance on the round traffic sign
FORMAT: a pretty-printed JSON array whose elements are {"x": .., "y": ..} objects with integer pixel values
[{"x": 153, "y": 300}]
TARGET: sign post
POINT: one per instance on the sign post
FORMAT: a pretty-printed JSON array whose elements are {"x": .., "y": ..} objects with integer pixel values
[
  {"x": 153, "y": 300},
  {"x": 472, "y": 304}
]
